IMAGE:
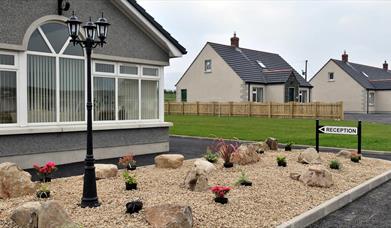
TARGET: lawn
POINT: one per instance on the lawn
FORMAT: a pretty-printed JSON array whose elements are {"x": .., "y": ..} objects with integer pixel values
[{"x": 300, "y": 131}]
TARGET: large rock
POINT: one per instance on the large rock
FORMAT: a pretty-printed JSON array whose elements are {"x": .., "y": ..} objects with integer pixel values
[
  {"x": 347, "y": 153},
  {"x": 169, "y": 161},
  {"x": 246, "y": 154},
  {"x": 14, "y": 182},
  {"x": 272, "y": 143},
  {"x": 309, "y": 156},
  {"x": 195, "y": 181},
  {"x": 261, "y": 147},
  {"x": 203, "y": 166},
  {"x": 103, "y": 171},
  {"x": 169, "y": 216},
  {"x": 42, "y": 214},
  {"x": 317, "y": 176}
]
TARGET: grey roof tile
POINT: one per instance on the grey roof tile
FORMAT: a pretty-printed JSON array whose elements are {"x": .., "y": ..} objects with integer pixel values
[{"x": 245, "y": 63}]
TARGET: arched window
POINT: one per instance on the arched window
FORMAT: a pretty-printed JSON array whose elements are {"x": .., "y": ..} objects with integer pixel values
[{"x": 56, "y": 76}]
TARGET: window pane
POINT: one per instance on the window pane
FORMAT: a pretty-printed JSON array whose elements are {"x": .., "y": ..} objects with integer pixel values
[
  {"x": 74, "y": 50},
  {"x": 7, "y": 97},
  {"x": 147, "y": 71},
  {"x": 104, "y": 98},
  {"x": 7, "y": 60},
  {"x": 149, "y": 99},
  {"x": 105, "y": 68},
  {"x": 127, "y": 99},
  {"x": 57, "y": 35},
  {"x": 41, "y": 91},
  {"x": 72, "y": 103},
  {"x": 128, "y": 70},
  {"x": 36, "y": 43}
]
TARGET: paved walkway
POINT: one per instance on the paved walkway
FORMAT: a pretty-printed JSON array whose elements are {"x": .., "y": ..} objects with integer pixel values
[{"x": 379, "y": 118}]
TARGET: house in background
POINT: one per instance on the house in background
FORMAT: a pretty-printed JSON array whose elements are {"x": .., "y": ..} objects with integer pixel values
[
  {"x": 362, "y": 88},
  {"x": 43, "y": 83},
  {"x": 232, "y": 73}
]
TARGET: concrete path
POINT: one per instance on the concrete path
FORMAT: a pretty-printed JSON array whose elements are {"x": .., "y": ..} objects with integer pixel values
[{"x": 378, "y": 118}]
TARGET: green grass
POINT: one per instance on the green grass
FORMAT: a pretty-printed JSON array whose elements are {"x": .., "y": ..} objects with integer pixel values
[
  {"x": 169, "y": 97},
  {"x": 300, "y": 131}
]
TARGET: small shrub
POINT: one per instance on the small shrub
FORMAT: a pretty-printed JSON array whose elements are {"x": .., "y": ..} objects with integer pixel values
[
  {"x": 281, "y": 161},
  {"x": 355, "y": 159},
  {"x": 243, "y": 180},
  {"x": 44, "y": 172},
  {"x": 43, "y": 191},
  {"x": 211, "y": 156},
  {"x": 288, "y": 146},
  {"x": 128, "y": 178},
  {"x": 334, "y": 164},
  {"x": 225, "y": 149},
  {"x": 220, "y": 191}
]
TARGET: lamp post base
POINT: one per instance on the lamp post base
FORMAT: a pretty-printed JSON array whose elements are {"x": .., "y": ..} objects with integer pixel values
[{"x": 89, "y": 202}]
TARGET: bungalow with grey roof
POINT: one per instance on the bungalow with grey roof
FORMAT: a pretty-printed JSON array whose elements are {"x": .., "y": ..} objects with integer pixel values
[
  {"x": 362, "y": 88},
  {"x": 232, "y": 73}
]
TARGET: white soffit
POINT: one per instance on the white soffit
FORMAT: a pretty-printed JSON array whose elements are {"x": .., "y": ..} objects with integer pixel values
[{"x": 148, "y": 27}]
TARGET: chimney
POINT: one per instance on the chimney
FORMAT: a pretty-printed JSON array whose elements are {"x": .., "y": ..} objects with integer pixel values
[
  {"x": 235, "y": 41},
  {"x": 345, "y": 57},
  {"x": 385, "y": 66}
]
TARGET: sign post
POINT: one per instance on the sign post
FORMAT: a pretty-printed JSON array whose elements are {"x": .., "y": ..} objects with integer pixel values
[{"x": 338, "y": 130}]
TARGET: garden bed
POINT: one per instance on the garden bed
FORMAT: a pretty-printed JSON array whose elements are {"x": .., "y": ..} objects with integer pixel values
[{"x": 273, "y": 199}]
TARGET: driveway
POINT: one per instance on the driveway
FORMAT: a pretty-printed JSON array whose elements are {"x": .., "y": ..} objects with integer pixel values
[{"x": 378, "y": 118}]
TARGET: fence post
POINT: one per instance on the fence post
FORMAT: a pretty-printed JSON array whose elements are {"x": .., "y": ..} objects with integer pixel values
[
  {"x": 198, "y": 108},
  {"x": 317, "y": 109},
  {"x": 183, "y": 108},
  {"x": 249, "y": 108},
  {"x": 291, "y": 104},
  {"x": 230, "y": 108},
  {"x": 168, "y": 108},
  {"x": 269, "y": 106},
  {"x": 213, "y": 108},
  {"x": 341, "y": 115}
]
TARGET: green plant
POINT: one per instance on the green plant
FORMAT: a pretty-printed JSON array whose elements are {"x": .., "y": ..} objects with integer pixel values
[
  {"x": 211, "y": 156},
  {"x": 43, "y": 191},
  {"x": 334, "y": 164},
  {"x": 355, "y": 159},
  {"x": 281, "y": 161},
  {"x": 128, "y": 178},
  {"x": 242, "y": 179},
  {"x": 290, "y": 144}
]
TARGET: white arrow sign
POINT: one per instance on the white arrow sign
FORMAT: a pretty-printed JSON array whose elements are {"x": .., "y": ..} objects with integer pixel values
[{"x": 338, "y": 130}]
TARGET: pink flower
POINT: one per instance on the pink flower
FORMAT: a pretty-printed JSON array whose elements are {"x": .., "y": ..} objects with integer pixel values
[
  {"x": 220, "y": 191},
  {"x": 51, "y": 164}
]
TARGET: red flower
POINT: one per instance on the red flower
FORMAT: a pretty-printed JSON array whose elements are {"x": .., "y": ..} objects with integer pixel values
[
  {"x": 220, "y": 191},
  {"x": 51, "y": 164}
]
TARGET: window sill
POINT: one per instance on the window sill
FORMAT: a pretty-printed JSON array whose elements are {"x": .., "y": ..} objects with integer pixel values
[
  {"x": 16, "y": 130},
  {"x": 331, "y": 80},
  {"x": 208, "y": 71}
]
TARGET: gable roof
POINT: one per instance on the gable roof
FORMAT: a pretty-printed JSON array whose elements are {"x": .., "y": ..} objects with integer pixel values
[
  {"x": 256, "y": 66},
  {"x": 160, "y": 28},
  {"x": 369, "y": 77}
]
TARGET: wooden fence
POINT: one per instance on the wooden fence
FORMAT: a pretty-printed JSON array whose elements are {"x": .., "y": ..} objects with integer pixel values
[{"x": 269, "y": 109}]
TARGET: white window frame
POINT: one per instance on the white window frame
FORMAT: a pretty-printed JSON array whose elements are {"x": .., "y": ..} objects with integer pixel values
[
  {"x": 328, "y": 76},
  {"x": 104, "y": 73},
  {"x": 205, "y": 68},
  {"x": 140, "y": 77},
  {"x": 13, "y": 68},
  {"x": 301, "y": 96},
  {"x": 252, "y": 92},
  {"x": 369, "y": 98}
]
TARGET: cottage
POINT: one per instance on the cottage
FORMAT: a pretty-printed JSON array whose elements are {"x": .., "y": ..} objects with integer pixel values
[
  {"x": 43, "y": 82},
  {"x": 362, "y": 88},
  {"x": 232, "y": 73}
]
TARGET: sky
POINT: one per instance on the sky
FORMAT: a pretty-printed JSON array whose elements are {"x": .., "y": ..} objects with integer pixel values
[{"x": 297, "y": 30}]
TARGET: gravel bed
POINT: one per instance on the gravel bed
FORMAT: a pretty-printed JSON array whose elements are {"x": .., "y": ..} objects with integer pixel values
[{"x": 273, "y": 198}]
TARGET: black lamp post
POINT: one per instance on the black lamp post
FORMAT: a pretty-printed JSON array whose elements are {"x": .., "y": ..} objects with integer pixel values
[{"x": 90, "y": 196}]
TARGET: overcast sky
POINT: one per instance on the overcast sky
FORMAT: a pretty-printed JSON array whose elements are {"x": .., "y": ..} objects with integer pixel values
[{"x": 296, "y": 30}]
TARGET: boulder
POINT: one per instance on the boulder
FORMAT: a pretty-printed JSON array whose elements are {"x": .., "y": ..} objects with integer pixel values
[
  {"x": 203, "y": 166},
  {"x": 347, "y": 153},
  {"x": 169, "y": 216},
  {"x": 195, "y": 181},
  {"x": 103, "y": 171},
  {"x": 42, "y": 214},
  {"x": 309, "y": 156},
  {"x": 272, "y": 143},
  {"x": 14, "y": 182},
  {"x": 294, "y": 176},
  {"x": 317, "y": 176},
  {"x": 261, "y": 147},
  {"x": 246, "y": 154},
  {"x": 172, "y": 161}
]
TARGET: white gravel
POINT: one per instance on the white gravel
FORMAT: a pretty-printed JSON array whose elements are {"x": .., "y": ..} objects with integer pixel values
[{"x": 273, "y": 198}]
